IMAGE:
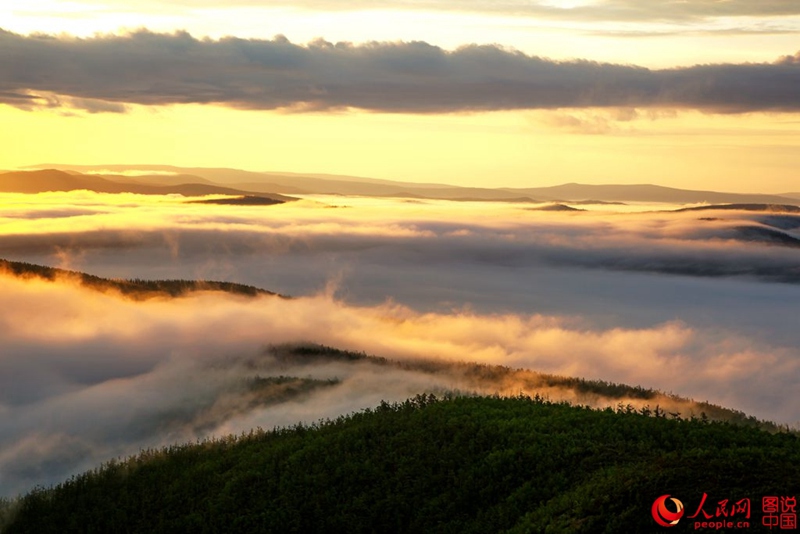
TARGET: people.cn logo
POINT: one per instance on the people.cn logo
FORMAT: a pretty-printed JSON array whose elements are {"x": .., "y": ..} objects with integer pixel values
[{"x": 663, "y": 515}]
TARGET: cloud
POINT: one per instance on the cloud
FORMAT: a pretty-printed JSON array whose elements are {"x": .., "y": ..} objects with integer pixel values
[
  {"x": 790, "y": 60},
  {"x": 299, "y": 247},
  {"x": 591, "y": 122},
  {"x": 104, "y": 73},
  {"x": 86, "y": 376},
  {"x": 599, "y": 10},
  {"x": 635, "y": 11},
  {"x": 704, "y": 243},
  {"x": 30, "y": 101}
]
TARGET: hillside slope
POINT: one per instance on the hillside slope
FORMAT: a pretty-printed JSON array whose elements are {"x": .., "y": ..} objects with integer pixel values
[
  {"x": 136, "y": 289},
  {"x": 468, "y": 464}
]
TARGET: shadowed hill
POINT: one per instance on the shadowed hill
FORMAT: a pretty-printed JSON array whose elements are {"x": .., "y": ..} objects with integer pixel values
[
  {"x": 770, "y": 208},
  {"x": 55, "y": 180},
  {"x": 771, "y": 228},
  {"x": 246, "y": 200},
  {"x": 476, "y": 377},
  {"x": 644, "y": 193},
  {"x": 555, "y": 207},
  {"x": 137, "y": 289},
  {"x": 156, "y": 179},
  {"x": 51, "y": 180},
  {"x": 769, "y": 236},
  {"x": 479, "y": 464}
]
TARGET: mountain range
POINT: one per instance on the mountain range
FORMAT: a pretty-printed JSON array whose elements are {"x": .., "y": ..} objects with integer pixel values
[
  {"x": 195, "y": 181},
  {"x": 57, "y": 180}
]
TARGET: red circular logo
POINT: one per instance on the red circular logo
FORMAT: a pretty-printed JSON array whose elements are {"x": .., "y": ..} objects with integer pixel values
[{"x": 664, "y": 516}]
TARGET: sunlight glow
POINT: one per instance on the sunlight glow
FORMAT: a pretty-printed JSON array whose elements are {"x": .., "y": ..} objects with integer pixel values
[{"x": 748, "y": 153}]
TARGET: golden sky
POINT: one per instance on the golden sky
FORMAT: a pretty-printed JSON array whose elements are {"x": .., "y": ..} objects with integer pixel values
[{"x": 516, "y": 93}]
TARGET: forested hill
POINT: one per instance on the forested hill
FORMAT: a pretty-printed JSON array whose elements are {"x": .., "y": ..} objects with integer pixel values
[
  {"x": 465, "y": 464},
  {"x": 136, "y": 288}
]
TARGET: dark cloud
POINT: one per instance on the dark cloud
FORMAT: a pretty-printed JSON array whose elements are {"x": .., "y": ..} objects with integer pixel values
[
  {"x": 104, "y": 73},
  {"x": 18, "y": 99}
]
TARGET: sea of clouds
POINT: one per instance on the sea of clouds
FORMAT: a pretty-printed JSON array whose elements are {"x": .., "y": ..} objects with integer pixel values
[{"x": 693, "y": 303}]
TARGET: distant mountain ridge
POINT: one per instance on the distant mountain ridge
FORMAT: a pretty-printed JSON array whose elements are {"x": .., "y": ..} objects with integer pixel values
[
  {"x": 647, "y": 193},
  {"x": 58, "y": 180},
  {"x": 287, "y": 183}
]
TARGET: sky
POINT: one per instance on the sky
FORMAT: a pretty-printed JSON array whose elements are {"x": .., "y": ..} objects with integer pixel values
[{"x": 699, "y": 94}]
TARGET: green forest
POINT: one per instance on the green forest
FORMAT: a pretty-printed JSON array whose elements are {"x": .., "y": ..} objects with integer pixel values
[{"x": 457, "y": 464}]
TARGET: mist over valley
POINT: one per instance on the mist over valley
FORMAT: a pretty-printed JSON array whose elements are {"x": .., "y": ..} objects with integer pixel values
[{"x": 676, "y": 303}]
